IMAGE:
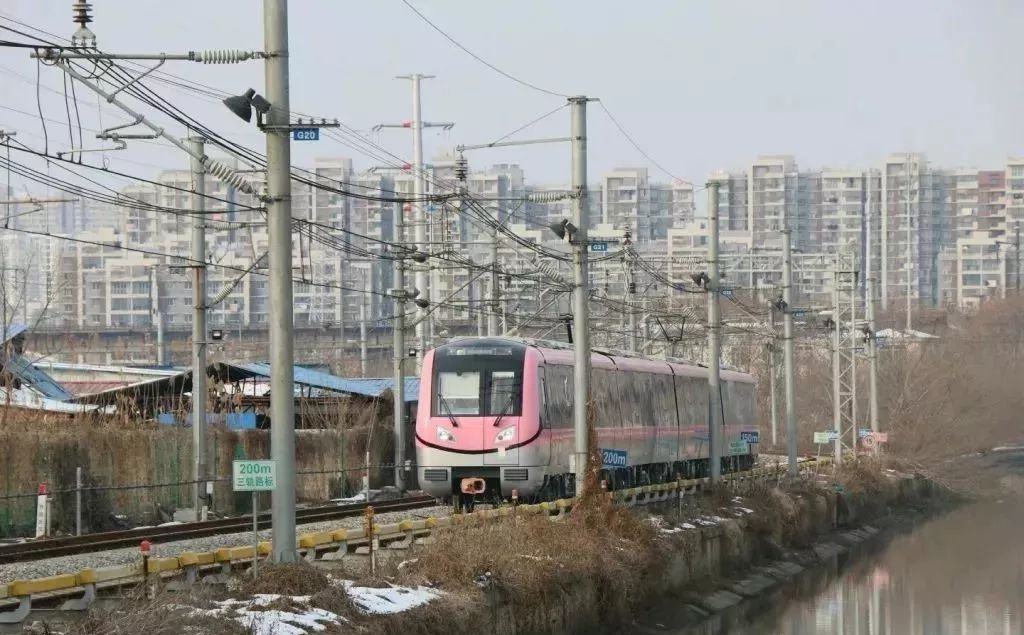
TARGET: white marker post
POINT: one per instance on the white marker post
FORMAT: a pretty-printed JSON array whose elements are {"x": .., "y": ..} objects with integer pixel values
[
  {"x": 42, "y": 512},
  {"x": 254, "y": 476}
]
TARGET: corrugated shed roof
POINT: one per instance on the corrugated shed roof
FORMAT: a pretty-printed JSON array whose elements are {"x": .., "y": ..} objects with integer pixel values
[
  {"x": 325, "y": 381},
  {"x": 23, "y": 398},
  {"x": 182, "y": 382},
  {"x": 36, "y": 379}
]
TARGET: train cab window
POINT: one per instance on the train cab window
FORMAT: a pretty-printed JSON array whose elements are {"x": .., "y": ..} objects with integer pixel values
[
  {"x": 458, "y": 393},
  {"x": 505, "y": 392}
]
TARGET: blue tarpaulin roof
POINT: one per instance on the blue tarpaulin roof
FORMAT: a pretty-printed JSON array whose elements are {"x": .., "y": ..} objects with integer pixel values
[{"x": 325, "y": 381}]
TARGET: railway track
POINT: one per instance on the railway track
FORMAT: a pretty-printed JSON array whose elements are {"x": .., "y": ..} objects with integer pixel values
[{"x": 103, "y": 541}]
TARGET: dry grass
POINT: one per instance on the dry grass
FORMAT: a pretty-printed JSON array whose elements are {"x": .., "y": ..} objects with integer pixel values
[
  {"x": 298, "y": 578},
  {"x": 598, "y": 543},
  {"x": 938, "y": 399},
  {"x": 161, "y": 616},
  {"x": 111, "y": 454}
]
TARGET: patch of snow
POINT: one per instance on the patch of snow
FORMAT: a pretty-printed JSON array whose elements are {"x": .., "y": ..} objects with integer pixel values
[
  {"x": 358, "y": 498},
  {"x": 744, "y": 510},
  {"x": 272, "y": 622},
  {"x": 285, "y": 622},
  {"x": 687, "y": 526},
  {"x": 673, "y": 530},
  {"x": 393, "y": 599}
]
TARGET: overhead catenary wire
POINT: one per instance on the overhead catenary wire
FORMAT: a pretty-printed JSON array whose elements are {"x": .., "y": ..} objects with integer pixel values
[
  {"x": 633, "y": 142},
  {"x": 477, "y": 214},
  {"x": 489, "y": 65}
]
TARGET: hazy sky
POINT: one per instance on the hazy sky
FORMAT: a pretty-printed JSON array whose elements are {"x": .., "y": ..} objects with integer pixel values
[{"x": 699, "y": 84}]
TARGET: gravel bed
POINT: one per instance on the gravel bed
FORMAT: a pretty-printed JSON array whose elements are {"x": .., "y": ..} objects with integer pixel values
[{"x": 114, "y": 557}]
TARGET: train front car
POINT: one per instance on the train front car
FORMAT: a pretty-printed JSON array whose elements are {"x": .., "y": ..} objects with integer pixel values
[{"x": 478, "y": 424}]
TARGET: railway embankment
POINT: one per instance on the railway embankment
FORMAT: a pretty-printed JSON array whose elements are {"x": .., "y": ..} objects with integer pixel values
[
  {"x": 600, "y": 568},
  {"x": 611, "y": 569}
]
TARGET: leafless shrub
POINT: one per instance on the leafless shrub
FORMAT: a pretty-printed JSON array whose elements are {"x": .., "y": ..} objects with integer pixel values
[
  {"x": 162, "y": 616},
  {"x": 603, "y": 544},
  {"x": 297, "y": 578}
]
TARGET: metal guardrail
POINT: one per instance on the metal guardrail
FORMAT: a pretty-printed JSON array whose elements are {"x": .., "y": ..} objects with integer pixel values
[
  {"x": 103, "y": 541},
  {"x": 216, "y": 566}
]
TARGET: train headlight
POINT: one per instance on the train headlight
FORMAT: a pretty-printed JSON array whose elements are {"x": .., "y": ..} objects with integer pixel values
[
  {"x": 506, "y": 435},
  {"x": 444, "y": 435}
]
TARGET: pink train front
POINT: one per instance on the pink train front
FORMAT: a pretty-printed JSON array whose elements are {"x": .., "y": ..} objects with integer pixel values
[{"x": 498, "y": 411}]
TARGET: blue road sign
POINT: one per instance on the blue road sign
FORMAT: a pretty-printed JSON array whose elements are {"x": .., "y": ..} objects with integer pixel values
[
  {"x": 306, "y": 134},
  {"x": 750, "y": 436},
  {"x": 598, "y": 246},
  {"x": 864, "y": 432},
  {"x": 613, "y": 458}
]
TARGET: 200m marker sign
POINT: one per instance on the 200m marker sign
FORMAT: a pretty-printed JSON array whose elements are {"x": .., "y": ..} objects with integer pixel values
[
  {"x": 613, "y": 458},
  {"x": 253, "y": 476}
]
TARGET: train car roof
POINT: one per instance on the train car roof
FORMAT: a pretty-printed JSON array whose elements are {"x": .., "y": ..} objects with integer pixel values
[{"x": 563, "y": 353}]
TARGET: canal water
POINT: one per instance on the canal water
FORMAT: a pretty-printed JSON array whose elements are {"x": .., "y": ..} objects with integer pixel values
[{"x": 960, "y": 574}]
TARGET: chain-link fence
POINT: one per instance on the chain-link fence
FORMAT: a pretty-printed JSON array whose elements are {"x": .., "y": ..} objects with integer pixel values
[{"x": 140, "y": 476}]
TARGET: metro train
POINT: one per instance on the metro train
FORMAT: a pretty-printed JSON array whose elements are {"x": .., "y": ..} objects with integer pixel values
[{"x": 495, "y": 415}]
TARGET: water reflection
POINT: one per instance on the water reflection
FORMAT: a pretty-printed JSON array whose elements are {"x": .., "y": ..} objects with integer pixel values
[{"x": 960, "y": 574}]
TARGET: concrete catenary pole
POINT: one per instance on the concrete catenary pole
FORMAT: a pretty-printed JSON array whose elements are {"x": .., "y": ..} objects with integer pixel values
[
  {"x": 910, "y": 265},
  {"x": 772, "y": 391},
  {"x": 495, "y": 304},
  {"x": 837, "y": 413},
  {"x": 481, "y": 328},
  {"x": 199, "y": 392},
  {"x": 788, "y": 350},
  {"x": 158, "y": 315},
  {"x": 279, "y": 221},
  {"x": 419, "y": 186},
  {"x": 714, "y": 339},
  {"x": 1016, "y": 270},
  {"x": 399, "y": 353},
  {"x": 363, "y": 353},
  {"x": 870, "y": 284},
  {"x": 631, "y": 307},
  {"x": 581, "y": 297},
  {"x": 872, "y": 357}
]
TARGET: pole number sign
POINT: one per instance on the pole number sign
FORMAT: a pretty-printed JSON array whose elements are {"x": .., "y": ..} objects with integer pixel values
[{"x": 306, "y": 134}]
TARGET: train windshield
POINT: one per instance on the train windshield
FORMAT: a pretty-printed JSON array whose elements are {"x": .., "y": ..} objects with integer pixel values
[
  {"x": 478, "y": 381},
  {"x": 458, "y": 393}
]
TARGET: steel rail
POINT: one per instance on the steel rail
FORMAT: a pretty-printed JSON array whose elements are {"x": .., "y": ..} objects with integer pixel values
[{"x": 103, "y": 541}]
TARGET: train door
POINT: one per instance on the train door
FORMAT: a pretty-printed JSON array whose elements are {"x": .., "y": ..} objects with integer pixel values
[{"x": 542, "y": 447}]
